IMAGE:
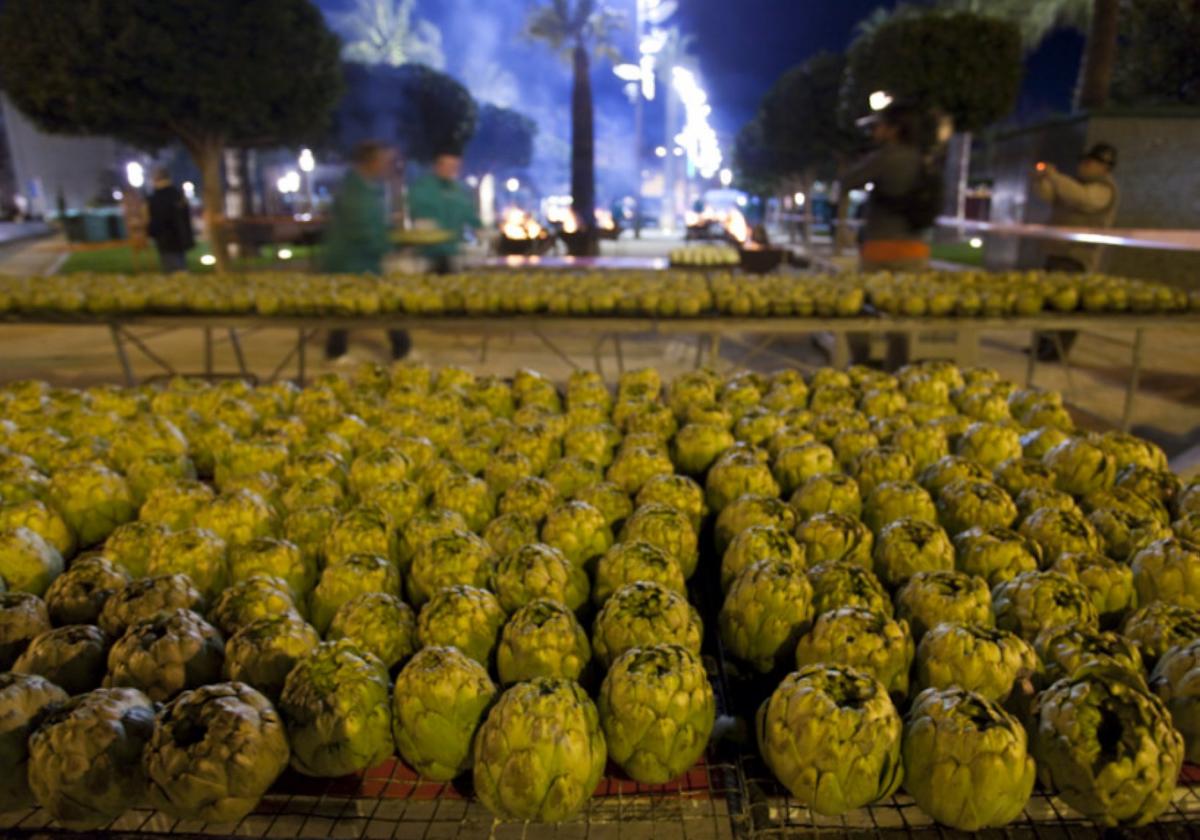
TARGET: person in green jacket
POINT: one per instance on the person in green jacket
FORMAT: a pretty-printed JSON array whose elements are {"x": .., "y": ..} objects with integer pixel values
[
  {"x": 438, "y": 197},
  {"x": 357, "y": 238}
]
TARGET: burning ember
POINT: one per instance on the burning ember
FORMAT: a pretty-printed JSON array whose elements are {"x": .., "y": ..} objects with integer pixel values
[
  {"x": 519, "y": 225},
  {"x": 737, "y": 227},
  {"x": 605, "y": 221}
]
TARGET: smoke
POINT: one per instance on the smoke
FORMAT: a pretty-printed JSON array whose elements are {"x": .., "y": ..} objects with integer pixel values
[{"x": 482, "y": 45}]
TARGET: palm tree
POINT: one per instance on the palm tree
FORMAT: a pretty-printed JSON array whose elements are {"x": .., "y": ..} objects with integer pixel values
[
  {"x": 383, "y": 32},
  {"x": 1099, "y": 19},
  {"x": 577, "y": 30}
]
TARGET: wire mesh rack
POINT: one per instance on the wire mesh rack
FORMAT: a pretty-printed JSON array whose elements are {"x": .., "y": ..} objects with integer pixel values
[
  {"x": 767, "y": 811},
  {"x": 390, "y": 802}
]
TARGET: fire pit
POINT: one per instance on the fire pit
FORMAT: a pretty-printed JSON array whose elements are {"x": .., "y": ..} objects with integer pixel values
[{"x": 522, "y": 236}]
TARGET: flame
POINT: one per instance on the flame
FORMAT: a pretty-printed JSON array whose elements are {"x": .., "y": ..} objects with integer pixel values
[
  {"x": 519, "y": 225},
  {"x": 604, "y": 220},
  {"x": 737, "y": 227},
  {"x": 570, "y": 224}
]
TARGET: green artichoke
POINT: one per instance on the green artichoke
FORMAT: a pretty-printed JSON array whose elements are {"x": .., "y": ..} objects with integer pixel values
[
  {"x": 837, "y": 585},
  {"x": 462, "y": 617},
  {"x": 145, "y": 598},
  {"x": 933, "y": 598},
  {"x": 1065, "y": 650},
  {"x": 43, "y": 520},
  {"x": 1061, "y": 532},
  {"x": 678, "y": 492},
  {"x": 666, "y": 528},
  {"x": 71, "y": 657},
  {"x": 1107, "y": 747},
  {"x": 609, "y": 499},
  {"x": 195, "y": 552},
  {"x": 657, "y": 710},
  {"x": 1168, "y": 570},
  {"x": 438, "y": 705},
  {"x": 540, "y": 753},
  {"x": 835, "y": 537},
  {"x": 642, "y": 614},
  {"x": 356, "y": 575},
  {"x": 361, "y": 530},
  {"x": 697, "y": 445},
  {"x": 176, "y": 505},
  {"x": 578, "y": 530},
  {"x": 795, "y": 466},
  {"x": 378, "y": 467},
  {"x": 966, "y": 760},
  {"x": 93, "y": 500},
  {"x": 751, "y": 510},
  {"x": 238, "y": 517},
  {"x": 470, "y": 497},
  {"x": 85, "y": 758},
  {"x": 1176, "y": 681},
  {"x": 1123, "y": 532},
  {"x": 24, "y": 698},
  {"x": 1160, "y": 626},
  {"x": 858, "y": 638},
  {"x": 946, "y": 470},
  {"x": 879, "y": 465},
  {"x": 377, "y": 623},
  {"x": 1110, "y": 583},
  {"x": 531, "y": 496},
  {"x": 736, "y": 473},
  {"x": 198, "y": 761},
  {"x": 908, "y": 546},
  {"x": 894, "y": 500},
  {"x": 337, "y": 712},
  {"x": 1080, "y": 467},
  {"x": 509, "y": 532},
  {"x": 636, "y": 465},
  {"x": 1035, "y": 601},
  {"x": 542, "y": 639},
  {"x": 422, "y": 530},
  {"x": 262, "y": 653},
  {"x": 27, "y": 562},
  {"x": 537, "y": 571},
  {"x": 23, "y": 617},
  {"x": 256, "y": 597},
  {"x": 1018, "y": 474},
  {"x": 831, "y": 735},
  {"x": 569, "y": 475},
  {"x": 766, "y": 611},
  {"x": 995, "y": 553},
  {"x": 458, "y": 557},
  {"x": 759, "y": 542},
  {"x": 78, "y": 595},
  {"x": 989, "y": 444},
  {"x": 274, "y": 558},
  {"x": 828, "y": 493},
  {"x": 963, "y": 505},
  {"x": 985, "y": 660},
  {"x": 131, "y": 545},
  {"x": 165, "y": 655},
  {"x": 924, "y": 445}
]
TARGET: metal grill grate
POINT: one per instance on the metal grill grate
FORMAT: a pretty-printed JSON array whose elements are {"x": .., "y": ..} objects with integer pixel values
[
  {"x": 392, "y": 803},
  {"x": 768, "y": 812}
]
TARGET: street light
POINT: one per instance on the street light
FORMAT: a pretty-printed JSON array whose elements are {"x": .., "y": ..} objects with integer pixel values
[
  {"x": 628, "y": 72},
  {"x": 189, "y": 190},
  {"x": 880, "y": 99},
  {"x": 726, "y": 177},
  {"x": 661, "y": 152},
  {"x": 307, "y": 164},
  {"x": 135, "y": 174},
  {"x": 512, "y": 184}
]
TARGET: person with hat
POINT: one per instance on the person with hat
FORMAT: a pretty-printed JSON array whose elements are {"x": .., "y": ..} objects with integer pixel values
[{"x": 1088, "y": 200}]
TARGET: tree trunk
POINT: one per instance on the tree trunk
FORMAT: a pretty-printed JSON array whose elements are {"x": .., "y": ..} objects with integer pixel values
[
  {"x": 1100, "y": 55},
  {"x": 208, "y": 157},
  {"x": 809, "y": 180},
  {"x": 583, "y": 157}
]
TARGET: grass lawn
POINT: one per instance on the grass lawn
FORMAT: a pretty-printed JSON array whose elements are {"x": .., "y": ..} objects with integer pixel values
[
  {"x": 958, "y": 252},
  {"x": 119, "y": 260}
]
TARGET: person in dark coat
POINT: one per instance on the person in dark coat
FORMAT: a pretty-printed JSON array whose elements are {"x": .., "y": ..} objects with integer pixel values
[{"x": 170, "y": 223}]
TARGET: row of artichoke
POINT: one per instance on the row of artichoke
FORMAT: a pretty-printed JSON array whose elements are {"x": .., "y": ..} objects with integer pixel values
[
  {"x": 230, "y": 580},
  {"x": 443, "y": 565},
  {"x": 671, "y": 294},
  {"x": 962, "y": 589}
]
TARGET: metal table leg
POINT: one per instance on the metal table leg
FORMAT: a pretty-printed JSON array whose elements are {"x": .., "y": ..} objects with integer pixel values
[
  {"x": 300, "y": 357},
  {"x": 620, "y": 354},
  {"x": 1031, "y": 362},
  {"x": 122, "y": 356},
  {"x": 237, "y": 352},
  {"x": 714, "y": 350},
  {"x": 483, "y": 348},
  {"x": 208, "y": 352},
  {"x": 1065, "y": 359},
  {"x": 1134, "y": 375},
  {"x": 699, "y": 363}
]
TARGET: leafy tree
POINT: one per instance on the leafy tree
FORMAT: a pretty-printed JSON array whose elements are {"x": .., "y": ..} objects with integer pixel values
[
  {"x": 579, "y": 29},
  {"x": 967, "y": 65},
  {"x": 1098, "y": 19},
  {"x": 800, "y": 124},
  {"x": 754, "y": 163},
  {"x": 383, "y": 32},
  {"x": 421, "y": 110},
  {"x": 503, "y": 141},
  {"x": 209, "y": 75},
  {"x": 1159, "y": 60}
]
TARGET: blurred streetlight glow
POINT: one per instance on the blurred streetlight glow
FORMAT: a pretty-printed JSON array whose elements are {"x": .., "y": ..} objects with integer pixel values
[
  {"x": 135, "y": 174},
  {"x": 208, "y": 259},
  {"x": 800, "y": 198},
  {"x": 189, "y": 189},
  {"x": 289, "y": 183},
  {"x": 976, "y": 242},
  {"x": 726, "y": 177},
  {"x": 661, "y": 152},
  {"x": 880, "y": 99},
  {"x": 285, "y": 253},
  {"x": 307, "y": 162},
  {"x": 628, "y": 72},
  {"x": 697, "y": 137},
  {"x": 648, "y": 77},
  {"x": 512, "y": 184}
]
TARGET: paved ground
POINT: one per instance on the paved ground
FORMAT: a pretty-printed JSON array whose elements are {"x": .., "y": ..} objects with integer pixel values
[{"x": 1167, "y": 408}]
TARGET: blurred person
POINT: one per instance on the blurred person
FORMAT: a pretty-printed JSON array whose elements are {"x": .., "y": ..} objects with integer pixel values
[
  {"x": 903, "y": 177},
  {"x": 357, "y": 237},
  {"x": 136, "y": 214},
  {"x": 170, "y": 223},
  {"x": 440, "y": 198},
  {"x": 1088, "y": 200}
]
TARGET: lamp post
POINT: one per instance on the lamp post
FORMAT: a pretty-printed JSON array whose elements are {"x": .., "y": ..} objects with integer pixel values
[{"x": 308, "y": 163}]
